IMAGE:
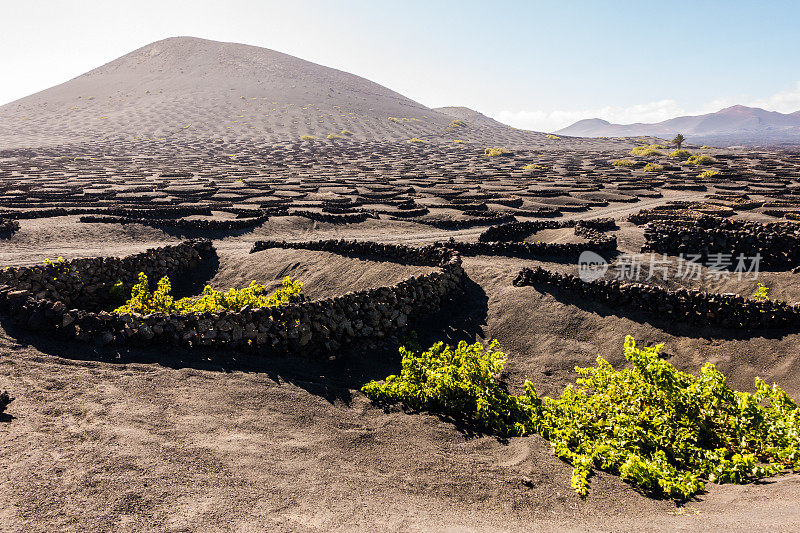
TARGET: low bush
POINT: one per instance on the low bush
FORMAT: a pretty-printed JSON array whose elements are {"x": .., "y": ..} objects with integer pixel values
[
  {"x": 415, "y": 140},
  {"x": 458, "y": 141},
  {"x": 553, "y": 137},
  {"x": 646, "y": 151},
  {"x": 708, "y": 173},
  {"x": 494, "y": 152},
  {"x": 653, "y": 167},
  {"x": 458, "y": 124},
  {"x": 700, "y": 160},
  {"x": 346, "y": 132},
  {"x": 662, "y": 430},
  {"x": 143, "y": 301},
  {"x": 333, "y": 136},
  {"x": 307, "y": 137},
  {"x": 462, "y": 382},
  {"x": 683, "y": 155},
  {"x": 534, "y": 166},
  {"x": 762, "y": 293},
  {"x": 623, "y": 163}
]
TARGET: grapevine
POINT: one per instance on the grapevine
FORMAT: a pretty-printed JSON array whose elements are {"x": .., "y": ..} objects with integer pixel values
[
  {"x": 662, "y": 430},
  {"x": 143, "y": 301}
]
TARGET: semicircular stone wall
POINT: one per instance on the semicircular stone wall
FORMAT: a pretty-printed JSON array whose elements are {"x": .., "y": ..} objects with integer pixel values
[{"x": 360, "y": 319}]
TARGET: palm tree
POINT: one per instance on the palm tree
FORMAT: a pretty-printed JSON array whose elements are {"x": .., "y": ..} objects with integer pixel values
[{"x": 678, "y": 140}]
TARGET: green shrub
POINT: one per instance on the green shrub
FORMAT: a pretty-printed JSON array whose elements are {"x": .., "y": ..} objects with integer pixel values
[
  {"x": 458, "y": 124},
  {"x": 553, "y": 137},
  {"x": 662, "y": 430},
  {"x": 415, "y": 140},
  {"x": 494, "y": 152},
  {"x": 117, "y": 293},
  {"x": 762, "y": 293},
  {"x": 646, "y": 151},
  {"x": 683, "y": 155},
  {"x": 458, "y": 141},
  {"x": 708, "y": 173},
  {"x": 623, "y": 163},
  {"x": 307, "y": 137},
  {"x": 697, "y": 160},
  {"x": 333, "y": 136},
  {"x": 394, "y": 119},
  {"x": 462, "y": 383},
  {"x": 534, "y": 166},
  {"x": 144, "y": 302},
  {"x": 653, "y": 167},
  {"x": 346, "y": 132}
]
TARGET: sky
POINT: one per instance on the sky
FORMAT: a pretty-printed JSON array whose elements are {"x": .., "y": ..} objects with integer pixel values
[{"x": 531, "y": 64}]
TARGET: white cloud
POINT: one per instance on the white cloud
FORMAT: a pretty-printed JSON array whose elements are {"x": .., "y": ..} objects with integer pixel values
[
  {"x": 783, "y": 101},
  {"x": 554, "y": 120},
  {"x": 787, "y": 101}
]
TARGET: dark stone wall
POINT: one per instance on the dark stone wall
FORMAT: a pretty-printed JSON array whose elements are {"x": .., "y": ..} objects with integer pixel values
[
  {"x": 359, "y": 319},
  {"x": 683, "y": 305},
  {"x": 519, "y": 231},
  {"x": 86, "y": 282},
  {"x": 777, "y": 243},
  {"x": 182, "y": 223}
]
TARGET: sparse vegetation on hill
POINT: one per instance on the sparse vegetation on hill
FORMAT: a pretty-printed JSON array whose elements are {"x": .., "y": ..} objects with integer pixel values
[
  {"x": 653, "y": 167},
  {"x": 708, "y": 173},
  {"x": 494, "y": 152},
  {"x": 697, "y": 160},
  {"x": 623, "y": 163},
  {"x": 534, "y": 166},
  {"x": 415, "y": 140},
  {"x": 458, "y": 124},
  {"x": 333, "y": 136},
  {"x": 346, "y": 132},
  {"x": 647, "y": 151},
  {"x": 761, "y": 293},
  {"x": 458, "y": 141},
  {"x": 683, "y": 155},
  {"x": 307, "y": 137},
  {"x": 143, "y": 301},
  {"x": 665, "y": 431},
  {"x": 553, "y": 137}
]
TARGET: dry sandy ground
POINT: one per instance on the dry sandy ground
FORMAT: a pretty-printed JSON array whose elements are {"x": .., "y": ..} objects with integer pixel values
[{"x": 103, "y": 439}]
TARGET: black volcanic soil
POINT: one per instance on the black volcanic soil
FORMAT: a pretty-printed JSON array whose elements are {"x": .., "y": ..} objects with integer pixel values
[{"x": 103, "y": 439}]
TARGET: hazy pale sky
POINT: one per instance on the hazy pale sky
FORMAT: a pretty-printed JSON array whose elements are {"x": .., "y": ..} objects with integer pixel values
[{"x": 535, "y": 65}]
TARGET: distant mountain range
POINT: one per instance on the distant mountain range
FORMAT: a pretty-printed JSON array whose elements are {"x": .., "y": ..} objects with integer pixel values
[{"x": 733, "y": 125}]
